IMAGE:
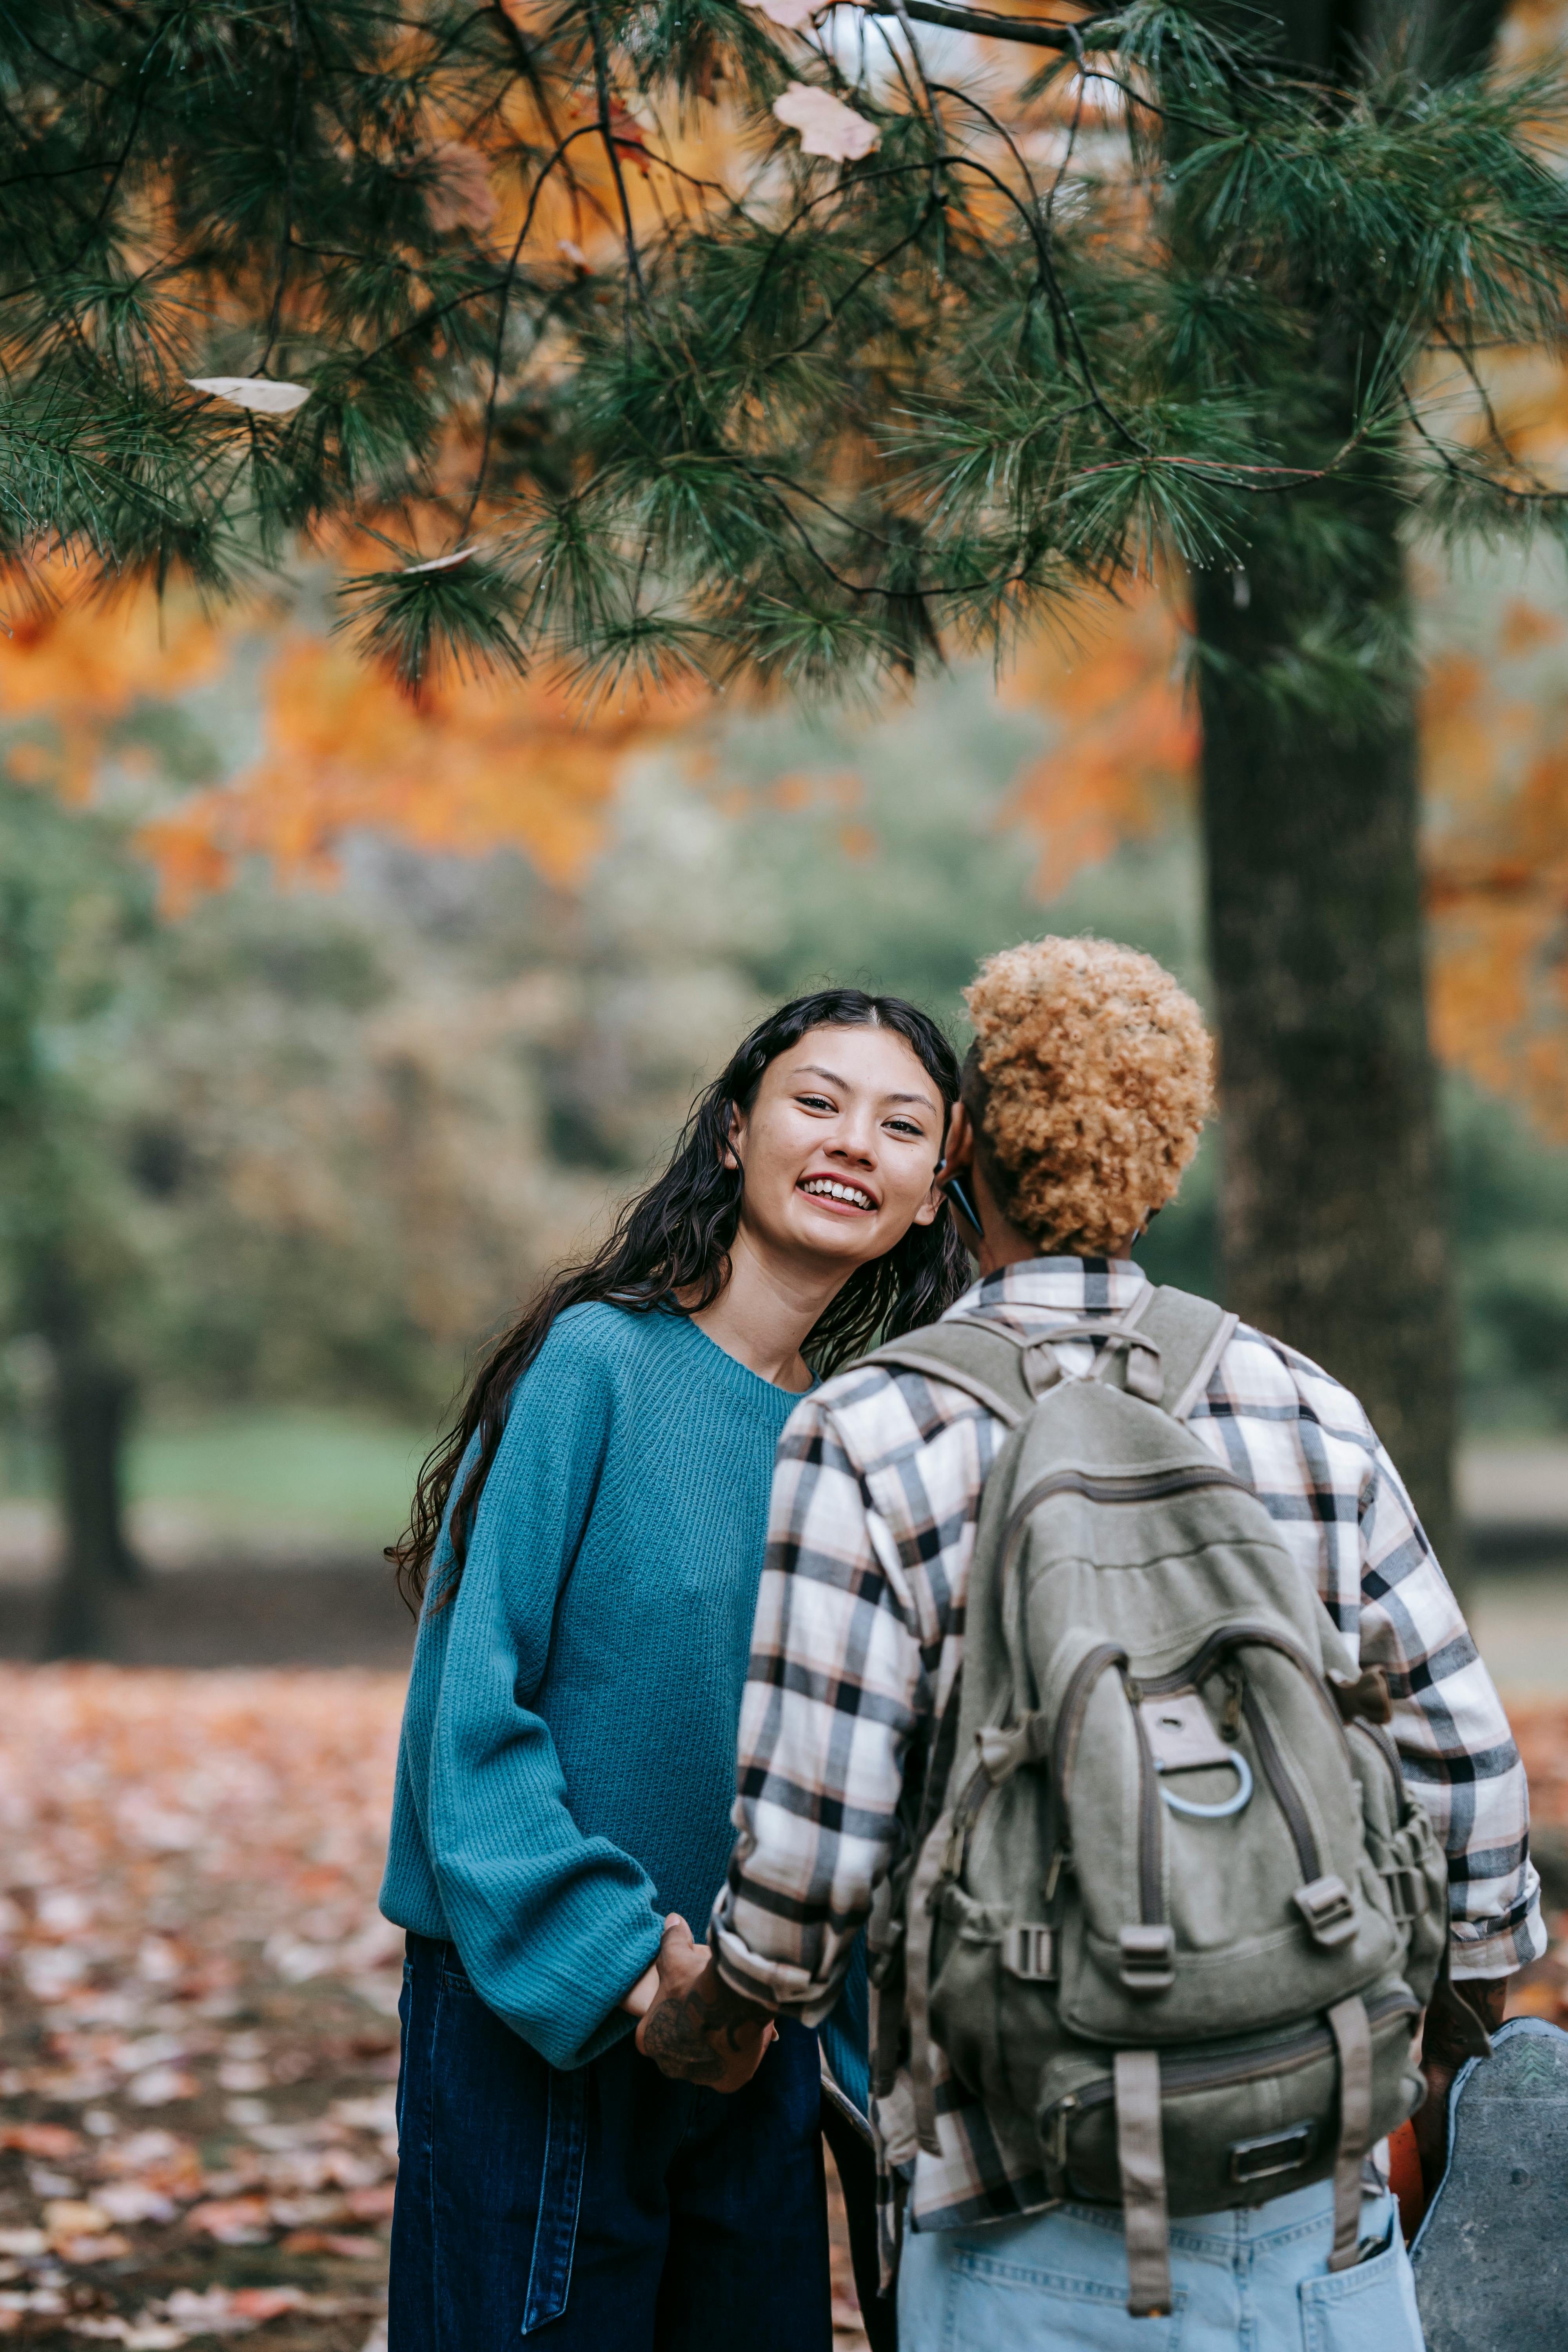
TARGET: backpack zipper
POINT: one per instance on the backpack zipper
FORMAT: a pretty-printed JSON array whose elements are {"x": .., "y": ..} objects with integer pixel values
[
  {"x": 1123, "y": 1486},
  {"x": 1074, "y": 1699},
  {"x": 1150, "y": 1891},
  {"x": 1069, "y": 1722},
  {"x": 1287, "y": 1796},
  {"x": 1246, "y": 2066}
]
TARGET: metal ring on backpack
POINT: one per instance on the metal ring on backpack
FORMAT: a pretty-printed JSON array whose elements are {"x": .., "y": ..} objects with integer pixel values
[{"x": 1243, "y": 1771}]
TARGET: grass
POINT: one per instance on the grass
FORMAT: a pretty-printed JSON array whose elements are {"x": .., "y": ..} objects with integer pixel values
[{"x": 287, "y": 1470}]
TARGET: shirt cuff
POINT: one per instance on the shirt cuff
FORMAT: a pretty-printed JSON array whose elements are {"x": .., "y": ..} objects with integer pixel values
[
  {"x": 1488, "y": 1947},
  {"x": 777, "y": 1984}
]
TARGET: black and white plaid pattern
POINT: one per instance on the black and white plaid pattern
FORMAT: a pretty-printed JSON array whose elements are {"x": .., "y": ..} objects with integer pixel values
[{"x": 859, "y": 1634}]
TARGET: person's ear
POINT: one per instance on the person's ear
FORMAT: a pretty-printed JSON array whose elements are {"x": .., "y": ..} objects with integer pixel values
[
  {"x": 729, "y": 1155},
  {"x": 955, "y": 1176},
  {"x": 960, "y": 1152}
]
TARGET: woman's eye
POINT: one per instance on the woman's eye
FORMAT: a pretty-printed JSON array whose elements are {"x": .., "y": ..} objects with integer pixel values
[
  {"x": 905, "y": 1127},
  {"x": 813, "y": 1102}
]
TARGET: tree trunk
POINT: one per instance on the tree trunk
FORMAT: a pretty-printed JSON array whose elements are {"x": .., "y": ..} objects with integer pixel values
[
  {"x": 92, "y": 1411},
  {"x": 1332, "y": 1209},
  {"x": 93, "y": 1404}
]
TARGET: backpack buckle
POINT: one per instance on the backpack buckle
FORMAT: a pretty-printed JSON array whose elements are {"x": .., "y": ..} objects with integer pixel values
[
  {"x": 1326, "y": 1907},
  {"x": 1406, "y": 1893},
  {"x": 1148, "y": 1958},
  {"x": 1030, "y": 1952}
]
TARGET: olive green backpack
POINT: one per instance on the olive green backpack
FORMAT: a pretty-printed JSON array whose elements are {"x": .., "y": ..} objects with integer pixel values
[{"x": 1163, "y": 1900}]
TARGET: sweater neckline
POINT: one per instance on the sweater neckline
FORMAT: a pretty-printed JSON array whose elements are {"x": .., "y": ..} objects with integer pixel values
[{"x": 753, "y": 1381}]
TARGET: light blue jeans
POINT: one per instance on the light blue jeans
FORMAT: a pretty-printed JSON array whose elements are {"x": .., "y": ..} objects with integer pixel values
[{"x": 1254, "y": 2281}]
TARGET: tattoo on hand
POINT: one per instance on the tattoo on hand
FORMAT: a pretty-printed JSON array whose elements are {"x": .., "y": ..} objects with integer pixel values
[{"x": 693, "y": 2035}]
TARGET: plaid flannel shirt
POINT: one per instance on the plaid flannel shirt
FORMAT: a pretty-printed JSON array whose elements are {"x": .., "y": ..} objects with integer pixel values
[{"x": 859, "y": 1634}]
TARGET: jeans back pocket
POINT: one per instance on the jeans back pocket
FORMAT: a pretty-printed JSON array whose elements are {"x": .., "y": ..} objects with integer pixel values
[{"x": 1369, "y": 2309}]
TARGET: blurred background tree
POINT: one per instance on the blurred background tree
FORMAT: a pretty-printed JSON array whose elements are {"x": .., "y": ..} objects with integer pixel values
[
  {"x": 799, "y": 344},
  {"x": 424, "y": 994},
  {"x": 555, "y": 320},
  {"x": 74, "y": 914}
]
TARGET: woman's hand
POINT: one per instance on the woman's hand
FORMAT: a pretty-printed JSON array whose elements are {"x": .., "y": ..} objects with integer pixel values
[{"x": 696, "y": 2030}]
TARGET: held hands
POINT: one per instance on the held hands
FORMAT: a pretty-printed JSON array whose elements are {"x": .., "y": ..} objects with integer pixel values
[{"x": 696, "y": 2029}]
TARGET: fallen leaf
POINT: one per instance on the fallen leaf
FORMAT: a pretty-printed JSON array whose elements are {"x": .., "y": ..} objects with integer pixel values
[
  {"x": 52, "y": 2140},
  {"x": 72, "y": 2216},
  {"x": 233, "y": 2221},
  {"x": 256, "y": 392},
  {"x": 99, "y": 2246},
  {"x": 211, "y": 2313},
  {"x": 133, "y": 2201},
  {"x": 827, "y": 126},
  {"x": 161, "y": 2086},
  {"x": 326, "y": 2241},
  {"x": 136, "y": 2335},
  {"x": 373, "y": 2204}
]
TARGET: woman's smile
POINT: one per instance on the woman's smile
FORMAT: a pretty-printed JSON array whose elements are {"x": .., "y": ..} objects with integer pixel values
[{"x": 839, "y": 1196}]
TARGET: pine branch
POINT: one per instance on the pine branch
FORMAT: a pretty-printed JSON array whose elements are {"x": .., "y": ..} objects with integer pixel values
[
  {"x": 1029, "y": 32},
  {"x": 807, "y": 413}
]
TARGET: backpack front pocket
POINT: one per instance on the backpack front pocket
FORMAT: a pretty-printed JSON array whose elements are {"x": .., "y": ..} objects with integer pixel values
[
  {"x": 1222, "y": 1884},
  {"x": 1242, "y": 2122}
]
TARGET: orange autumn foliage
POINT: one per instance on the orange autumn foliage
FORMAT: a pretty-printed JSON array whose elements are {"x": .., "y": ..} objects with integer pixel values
[
  {"x": 480, "y": 766},
  {"x": 70, "y": 672},
  {"x": 1124, "y": 736},
  {"x": 1495, "y": 732},
  {"x": 475, "y": 766}
]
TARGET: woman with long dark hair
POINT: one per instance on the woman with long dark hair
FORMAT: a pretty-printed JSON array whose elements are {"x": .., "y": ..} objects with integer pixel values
[{"x": 586, "y": 1544}]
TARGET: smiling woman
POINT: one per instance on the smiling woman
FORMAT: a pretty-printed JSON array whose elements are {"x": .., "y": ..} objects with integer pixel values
[
  {"x": 587, "y": 1543},
  {"x": 707, "y": 1228},
  {"x": 837, "y": 1151}
]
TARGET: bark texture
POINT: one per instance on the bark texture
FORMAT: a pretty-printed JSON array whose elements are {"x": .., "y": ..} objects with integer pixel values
[
  {"x": 92, "y": 1408},
  {"x": 1334, "y": 1209},
  {"x": 1333, "y": 1214}
]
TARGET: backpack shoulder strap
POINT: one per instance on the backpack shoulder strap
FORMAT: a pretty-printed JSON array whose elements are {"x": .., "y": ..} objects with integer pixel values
[
  {"x": 983, "y": 1359},
  {"x": 1192, "y": 1335},
  {"x": 969, "y": 1352}
]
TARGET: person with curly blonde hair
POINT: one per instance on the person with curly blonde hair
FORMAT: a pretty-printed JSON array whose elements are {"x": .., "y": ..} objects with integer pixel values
[
  {"x": 1087, "y": 1088},
  {"x": 1083, "y": 1100}
]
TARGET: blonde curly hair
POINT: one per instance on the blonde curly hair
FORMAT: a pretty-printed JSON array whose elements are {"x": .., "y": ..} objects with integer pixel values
[{"x": 1095, "y": 1075}]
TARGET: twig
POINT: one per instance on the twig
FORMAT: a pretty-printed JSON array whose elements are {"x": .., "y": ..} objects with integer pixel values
[
  {"x": 1029, "y": 30},
  {"x": 287, "y": 244},
  {"x": 606, "y": 132}
]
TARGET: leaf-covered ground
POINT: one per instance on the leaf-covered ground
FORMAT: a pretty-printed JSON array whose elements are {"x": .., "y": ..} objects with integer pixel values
[
  {"x": 197, "y": 2033},
  {"x": 198, "y": 2039}
]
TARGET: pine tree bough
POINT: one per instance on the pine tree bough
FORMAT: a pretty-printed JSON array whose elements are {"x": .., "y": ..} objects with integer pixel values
[{"x": 705, "y": 393}]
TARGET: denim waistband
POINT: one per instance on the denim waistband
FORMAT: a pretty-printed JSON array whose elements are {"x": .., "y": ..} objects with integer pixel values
[{"x": 1298, "y": 2212}]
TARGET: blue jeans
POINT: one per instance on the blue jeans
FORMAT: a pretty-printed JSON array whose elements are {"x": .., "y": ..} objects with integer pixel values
[
  {"x": 1251, "y": 2282},
  {"x": 606, "y": 2210}
]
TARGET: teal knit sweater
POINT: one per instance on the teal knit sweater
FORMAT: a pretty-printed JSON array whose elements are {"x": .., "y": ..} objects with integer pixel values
[{"x": 567, "y": 1764}]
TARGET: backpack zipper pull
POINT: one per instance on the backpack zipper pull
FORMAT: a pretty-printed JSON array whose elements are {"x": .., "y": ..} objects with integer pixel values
[{"x": 1057, "y": 2146}]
